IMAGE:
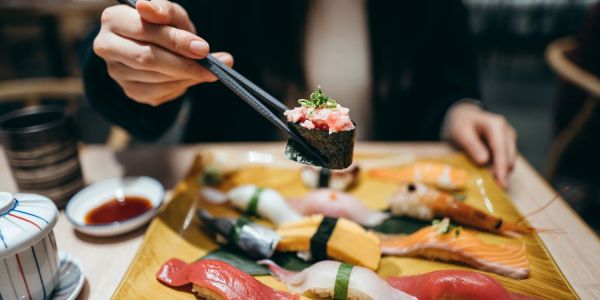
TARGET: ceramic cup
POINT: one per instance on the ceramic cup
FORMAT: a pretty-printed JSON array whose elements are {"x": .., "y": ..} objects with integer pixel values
[
  {"x": 28, "y": 254},
  {"x": 40, "y": 145}
]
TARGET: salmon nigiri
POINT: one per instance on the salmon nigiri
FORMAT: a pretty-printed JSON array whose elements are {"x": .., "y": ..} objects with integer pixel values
[
  {"x": 443, "y": 242},
  {"x": 440, "y": 175},
  {"x": 423, "y": 202},
  {"x": 214, "y": 279},
  {"x": 453, "y": 284}
]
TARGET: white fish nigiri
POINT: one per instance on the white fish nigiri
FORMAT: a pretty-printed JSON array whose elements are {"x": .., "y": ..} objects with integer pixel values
[
  {"x": 337, "y": 204},
  {"x": 339, "y": 180},
  {"x": 270, "y": 204},
  {"x": 320, "y": 279}
]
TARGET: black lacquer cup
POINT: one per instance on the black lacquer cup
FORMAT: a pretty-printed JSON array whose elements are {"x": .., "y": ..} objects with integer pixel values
[{"x": 40, "y": 144}]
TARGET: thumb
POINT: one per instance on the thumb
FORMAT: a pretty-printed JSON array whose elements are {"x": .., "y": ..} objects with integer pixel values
[
  {"x": 164, "y": 12},
  {"x": 468, "y": 140}
]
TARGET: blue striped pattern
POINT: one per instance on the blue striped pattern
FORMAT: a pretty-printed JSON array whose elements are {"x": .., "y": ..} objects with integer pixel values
[
  {"x": 30, "y": 214},
  {"x": 3, "y": 241},
  {"x": 37, "y": 266}
]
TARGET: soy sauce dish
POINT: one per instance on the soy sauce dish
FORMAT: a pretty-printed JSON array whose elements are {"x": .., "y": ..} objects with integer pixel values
[{"x": 115, "y": 206}]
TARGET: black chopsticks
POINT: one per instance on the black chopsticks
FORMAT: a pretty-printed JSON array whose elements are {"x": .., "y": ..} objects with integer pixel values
[{"x": 249, "y": 92}]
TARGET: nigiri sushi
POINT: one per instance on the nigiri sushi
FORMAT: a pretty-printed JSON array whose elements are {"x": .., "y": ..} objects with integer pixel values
[
  {"x": 324, "y": 237},
  {"x": 267, "y": 203},
  {"x": 426, "y": 203},
  {"x": 326, "y": 125},
  {"x": 218, "y": 280},
  {"x": 255, "y": 240},
  {"x": 440, "y": 175},
  {"x": 453, "y": 284},
  {"x": 335, "y": 280},
  {"x": 339, "y": 180},
  {"x": 443, "y": 242},
  {"x": 337, "y": 204}
]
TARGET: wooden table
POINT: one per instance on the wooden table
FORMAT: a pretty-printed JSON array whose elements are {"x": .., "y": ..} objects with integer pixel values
[{"x": 576, "y": 251}]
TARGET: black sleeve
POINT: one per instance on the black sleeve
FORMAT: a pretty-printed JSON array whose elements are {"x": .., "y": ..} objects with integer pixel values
[
  {"x": 107, "y": 97},
  {"x": 455, "y": 68}
]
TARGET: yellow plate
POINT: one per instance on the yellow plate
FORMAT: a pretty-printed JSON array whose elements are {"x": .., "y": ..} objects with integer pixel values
[{"x": 175, "y": 232}]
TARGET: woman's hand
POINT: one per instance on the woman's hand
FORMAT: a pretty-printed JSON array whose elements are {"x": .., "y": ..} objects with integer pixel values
[
  {"x": 486, "y": 137},
  {"x": 150, "y": 50}
]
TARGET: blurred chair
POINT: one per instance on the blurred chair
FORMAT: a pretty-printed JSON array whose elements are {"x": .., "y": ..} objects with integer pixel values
[
  {"x": 32, "y": 91},
  {"x": 590, "y": 84}
]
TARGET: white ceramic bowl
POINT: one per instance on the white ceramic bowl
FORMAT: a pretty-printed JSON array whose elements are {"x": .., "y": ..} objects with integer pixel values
[
  {"x": 100, "y": 192},
  {"x": 28, "y": 255}
]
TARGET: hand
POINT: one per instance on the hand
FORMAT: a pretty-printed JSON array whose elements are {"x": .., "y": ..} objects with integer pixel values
[
  {"x": 150, "y": 50},
  {"x": 485, "y": 136}
]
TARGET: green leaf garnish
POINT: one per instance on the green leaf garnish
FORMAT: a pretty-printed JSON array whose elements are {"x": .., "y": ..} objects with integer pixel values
[
  {"x": 318, "y": 99},
  {"x": 444, "y": 227}
]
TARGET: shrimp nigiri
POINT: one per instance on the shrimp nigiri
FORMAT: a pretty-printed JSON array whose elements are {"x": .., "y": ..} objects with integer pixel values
[
  {"x": 440, "y": 175},
  {"x": 215, "y": 279},
  {"x": 337, "y": 204},
  {"x": 426, "y": 203},
  {"x": 453, "y": 284},
  {"x": 444, "y": 243},
  {"x": 332, "y": 279}
]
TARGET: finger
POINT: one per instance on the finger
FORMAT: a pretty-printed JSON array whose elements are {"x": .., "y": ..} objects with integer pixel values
[
  {"x": 122, "y": 72},
  {"x": 165, "y": 13},
  {"x": 494, "y": 134},
  {"x": 511, "y": 138},
  {"x": 173, "y": 39},
  {"x": 155, "y": 94},
  {"x": 469, "y": 140},
  {"x": 149, "y": 57}
]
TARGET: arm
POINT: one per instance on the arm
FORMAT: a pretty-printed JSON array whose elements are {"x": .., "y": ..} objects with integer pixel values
[{"x": 486, "y": 137}]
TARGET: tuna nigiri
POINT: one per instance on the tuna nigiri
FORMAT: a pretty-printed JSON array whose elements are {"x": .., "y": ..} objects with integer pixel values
[
  {"x": 451, "y": 244},
  {"x": 337, "y": 204},
  {"x": 267, "y": 203},
  {"x": 420, "y": 201},
  {"x": 332, "y": 279},
  {"x": 453, "y": 284},
  {"x": 440, "y": 175},
  {"x": 214, "y": 279}
]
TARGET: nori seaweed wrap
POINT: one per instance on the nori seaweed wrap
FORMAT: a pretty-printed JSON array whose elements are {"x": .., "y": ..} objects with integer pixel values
[
  {"x": 324, "y": 124},
  {"x": 337, "y": 147}
]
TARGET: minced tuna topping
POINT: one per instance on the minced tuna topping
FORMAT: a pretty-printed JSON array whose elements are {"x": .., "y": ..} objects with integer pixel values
[{"x": 320, "y": 112}]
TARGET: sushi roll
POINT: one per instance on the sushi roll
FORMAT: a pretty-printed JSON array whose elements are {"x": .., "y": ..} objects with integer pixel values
[{"x": 326, "y": 125}]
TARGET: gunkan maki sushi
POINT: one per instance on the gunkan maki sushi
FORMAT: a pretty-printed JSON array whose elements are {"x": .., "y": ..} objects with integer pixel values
[{"x": 326, "y": 125}]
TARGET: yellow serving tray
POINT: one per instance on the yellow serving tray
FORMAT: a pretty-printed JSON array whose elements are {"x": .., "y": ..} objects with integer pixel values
[{"x": 176, "y": 232}]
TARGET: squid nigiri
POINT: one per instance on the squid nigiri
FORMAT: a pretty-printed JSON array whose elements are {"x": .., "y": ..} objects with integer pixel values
[
  {"x": 426, "y": 203},
  {"x": 339, "y": 180},
  {"x": 267, "y": 203},
  {"x": 440, "y": 175},
  {"x": 332, "y": 279},
  {"x": 337, "y": 204},
  {"x": 214, "y": 279},
  {"x": 443, "y": 242},
  {"x": 453, "y": 284},
  {"x": 255, "y": 240}
]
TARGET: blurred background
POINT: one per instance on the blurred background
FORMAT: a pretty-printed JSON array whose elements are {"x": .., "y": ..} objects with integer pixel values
[{"x": 40, "y": 61}]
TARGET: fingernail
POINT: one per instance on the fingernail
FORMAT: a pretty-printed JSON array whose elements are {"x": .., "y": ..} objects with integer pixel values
[
  {"x": 155, "y": 5},
  {"x": 199, "y": 47}
]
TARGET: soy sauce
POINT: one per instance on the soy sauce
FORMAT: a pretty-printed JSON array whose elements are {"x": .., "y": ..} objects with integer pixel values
[{"x": 117, "y": 210}]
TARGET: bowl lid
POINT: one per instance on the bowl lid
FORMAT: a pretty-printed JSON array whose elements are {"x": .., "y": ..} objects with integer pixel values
[{"x": 24, "y": 220}]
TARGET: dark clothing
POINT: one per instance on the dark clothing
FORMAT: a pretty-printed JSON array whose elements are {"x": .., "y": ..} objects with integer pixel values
[{"x": 422, "y": 59}]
